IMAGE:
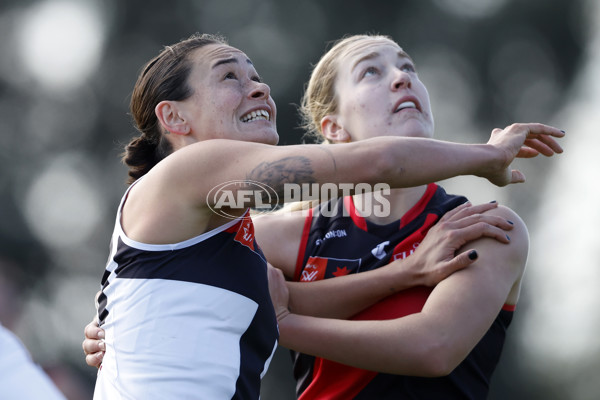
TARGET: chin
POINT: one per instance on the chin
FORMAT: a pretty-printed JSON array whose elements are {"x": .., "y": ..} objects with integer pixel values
[
  {"x": 269, "y": 138},
  {"x": 417, "y": 130}
]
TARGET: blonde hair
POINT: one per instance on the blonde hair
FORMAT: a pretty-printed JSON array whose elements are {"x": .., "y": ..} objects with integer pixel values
[{"x": 320, "y": 97}]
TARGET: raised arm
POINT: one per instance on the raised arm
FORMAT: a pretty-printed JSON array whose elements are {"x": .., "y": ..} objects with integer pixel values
[
  {"x": 397, "y": 161},
  {"x": 433, "y": 342}
]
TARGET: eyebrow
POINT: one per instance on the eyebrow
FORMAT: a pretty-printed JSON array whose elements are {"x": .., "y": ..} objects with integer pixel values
[
  {"x": 229, "y": 61},
  {"x": 375, "y": 54}
]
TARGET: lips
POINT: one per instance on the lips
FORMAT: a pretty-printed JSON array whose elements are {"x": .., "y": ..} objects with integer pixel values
[
  {"x": 256, "y": 115},
  {"x": 410, "y": 102}
]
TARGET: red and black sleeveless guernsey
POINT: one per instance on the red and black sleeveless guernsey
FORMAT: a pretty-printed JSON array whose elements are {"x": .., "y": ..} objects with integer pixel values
[{"x": 347, "y": 243}]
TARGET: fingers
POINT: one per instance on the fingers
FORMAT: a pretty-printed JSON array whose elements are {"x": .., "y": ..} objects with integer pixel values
[
  {"x": 527, "y": 152},
  {"x": 94, "y": 351},
  {"x": 485, "y": 229},
  {"x": 461, "y": 261},
  {"x": 517, "y": 176},
  {"x": 540, "y": 138},
  {"x": 457, "y": 263},
  {"x": 456, "y": 210},
  {"x": 543, "y": 129},
  {"x": 94, "y": 360},
  {"x": 92, "y": 331},
  {"x": 467, "y": 209},
  {"x": 544, "y": 144},
  {"x": 93, "y": 345},
  {"x": 473, "y": 210},
  {"x": 466, "y": 215},
  {"x": 482, "y": 219},
  {"x": 94, "y": 341}
]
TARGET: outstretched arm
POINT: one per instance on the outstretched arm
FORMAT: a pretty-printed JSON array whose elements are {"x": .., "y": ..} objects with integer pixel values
[
  {"x": 433, "y": 342},
  {"x": 180, "y": 194},
  {"x": 397, "y": 161}
]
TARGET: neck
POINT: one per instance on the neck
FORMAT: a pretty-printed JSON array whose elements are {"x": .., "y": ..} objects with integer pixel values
[{"x": 400, "y": 201}]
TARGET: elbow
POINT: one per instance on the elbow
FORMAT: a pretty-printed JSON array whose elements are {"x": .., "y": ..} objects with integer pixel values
[{"x": 439, "y": 359}]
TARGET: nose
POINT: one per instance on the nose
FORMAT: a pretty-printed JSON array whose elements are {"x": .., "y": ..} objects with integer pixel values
[
  {"x": 400, "y": 80},
  {"x": 259, "y": 90}
]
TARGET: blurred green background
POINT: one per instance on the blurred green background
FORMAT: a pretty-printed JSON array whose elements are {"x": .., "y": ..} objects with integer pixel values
[{"x": 66, "y": 73}]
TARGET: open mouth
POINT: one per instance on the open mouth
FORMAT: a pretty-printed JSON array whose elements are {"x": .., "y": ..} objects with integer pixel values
[
  {"x": 404, "y": 105},
  {"x": 256, "y": 116}
]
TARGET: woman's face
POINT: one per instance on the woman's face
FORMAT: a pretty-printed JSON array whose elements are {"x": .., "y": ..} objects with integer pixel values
[
  {"x": 229, "y": 100},
  {"x": 380, "y": 94}
]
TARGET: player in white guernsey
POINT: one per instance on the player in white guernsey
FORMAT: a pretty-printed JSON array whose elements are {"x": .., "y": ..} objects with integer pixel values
[{"x": 185, "y": 303}]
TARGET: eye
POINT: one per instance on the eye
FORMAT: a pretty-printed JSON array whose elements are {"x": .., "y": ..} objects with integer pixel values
[
  {"x": 370, "y": 71},
  {"x": 256, "y": 78},
  {"x": 230, "y": 75},
  {"x": 408, "y": 67}
]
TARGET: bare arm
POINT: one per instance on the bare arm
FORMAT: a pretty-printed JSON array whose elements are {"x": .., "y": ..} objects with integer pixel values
[
  {"x": 435, "y": 259},
  {"x": 174, "y": 195},
  {"x": 398, "y": 161},
  {"x": 430, "y": 343}
]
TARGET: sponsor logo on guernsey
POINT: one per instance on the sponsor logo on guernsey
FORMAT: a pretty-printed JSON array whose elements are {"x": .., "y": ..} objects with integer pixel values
[
  {"x": 379, "y": 250},
  {"x": 314, "y": 269},
  {"x": 401, "y": 254},
  {"x": 245, "y": 234},
  {"x": 337, "y": 233}
]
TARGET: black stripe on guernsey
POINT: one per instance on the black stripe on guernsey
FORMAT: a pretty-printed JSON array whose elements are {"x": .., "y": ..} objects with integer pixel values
[
  {"x": 215, "y": 267},
  {"x": 102, "y": 311},
  {"x": 214, "y": 261},
  {"x": 218, "y": 261}
]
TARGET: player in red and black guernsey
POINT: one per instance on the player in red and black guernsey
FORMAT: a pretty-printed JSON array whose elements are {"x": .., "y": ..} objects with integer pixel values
[
  {"x": 347, "y": 243},
  {"x": 452, "y": 332}
]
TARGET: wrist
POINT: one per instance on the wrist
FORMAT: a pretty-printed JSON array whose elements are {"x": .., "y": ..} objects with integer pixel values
[
  {"x": 406, "y": 274},
  {"x": 281, "y": 314},
  {"x": 490, "y": 159},
  {"x": 412, "y": 273}
]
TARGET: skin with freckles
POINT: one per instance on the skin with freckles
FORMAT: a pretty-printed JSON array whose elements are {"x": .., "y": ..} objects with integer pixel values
[{"x": 374, "y": 80}]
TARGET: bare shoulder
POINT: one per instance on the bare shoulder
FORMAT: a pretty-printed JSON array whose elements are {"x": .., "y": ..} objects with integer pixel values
[
  {"x": 513, "y": 254},
  {"x": 519, "y": 233},
  {"x": 279, "y": 235}
]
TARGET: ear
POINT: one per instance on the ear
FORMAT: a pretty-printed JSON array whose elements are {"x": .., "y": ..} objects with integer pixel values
[
  {"x": 170, "y": 117},
  {"x": 333, "y": 130}
]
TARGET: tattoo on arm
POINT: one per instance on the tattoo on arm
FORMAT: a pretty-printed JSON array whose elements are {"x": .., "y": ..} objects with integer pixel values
[{"x": 287, "y": 170}]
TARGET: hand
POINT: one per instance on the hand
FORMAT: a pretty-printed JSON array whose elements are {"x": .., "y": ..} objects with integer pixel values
[
  {"x": 278, "y": 290},
  {"x": 522, "y": 141},
  {"x": 436, "y": 255},
  {"x": 93, "y": 345}
]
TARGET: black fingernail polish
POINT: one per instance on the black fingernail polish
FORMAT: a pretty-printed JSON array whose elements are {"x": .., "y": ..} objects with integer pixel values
[
  {"x": 563, "y": 131},
  {"x": 508, "y": 237},
  {"x": 493, "y": 201},
  {"x": 509, "y": 221},
  {"x": 473, "y": 255}
]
